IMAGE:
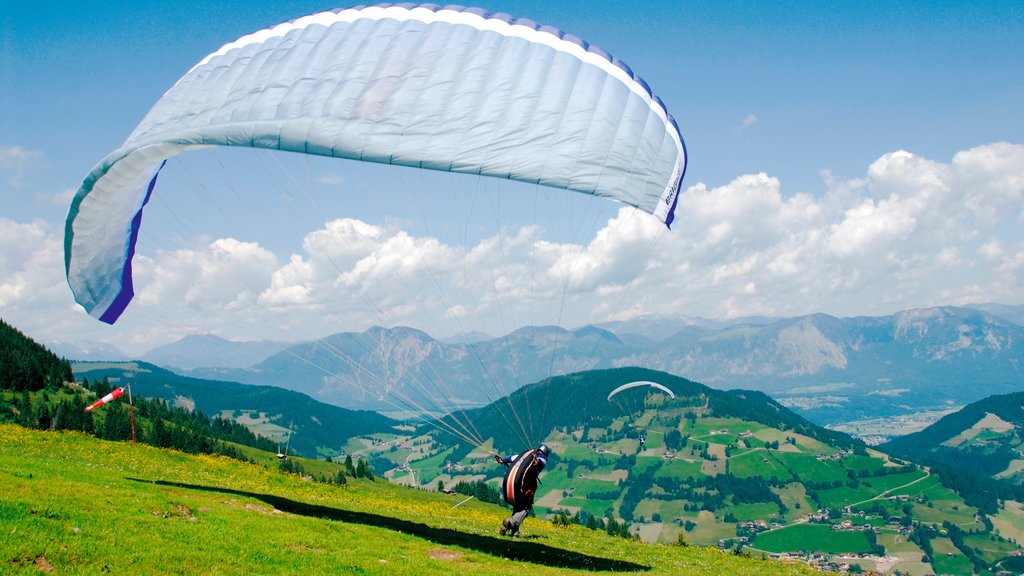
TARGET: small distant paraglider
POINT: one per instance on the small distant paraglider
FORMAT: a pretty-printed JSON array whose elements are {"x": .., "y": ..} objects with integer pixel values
[
  {"x": 641, "y": 435},
  {"x": 638, "y": 384}
]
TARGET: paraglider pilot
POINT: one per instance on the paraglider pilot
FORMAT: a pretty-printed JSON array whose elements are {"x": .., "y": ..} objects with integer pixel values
[{"x": 520, "y": 484}]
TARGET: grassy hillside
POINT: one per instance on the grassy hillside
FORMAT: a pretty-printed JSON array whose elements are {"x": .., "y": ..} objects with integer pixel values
[{"x": 73, "y": 504}]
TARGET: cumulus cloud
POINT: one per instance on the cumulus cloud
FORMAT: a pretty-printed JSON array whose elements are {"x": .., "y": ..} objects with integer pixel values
[
  {"x": 226, "y": 271},
  {"x": 910, "y": 232},
  {"x": 904, "y": 236},
  {"x": 28, "y": 251},
  {"x": 15, "y": 161}
]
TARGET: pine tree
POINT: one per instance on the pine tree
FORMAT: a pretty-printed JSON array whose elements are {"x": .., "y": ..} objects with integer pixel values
[
  {"x": 43, "y": 419},
  {"x": 363, "y": 470},
  {"x": 159, "y": 436}
]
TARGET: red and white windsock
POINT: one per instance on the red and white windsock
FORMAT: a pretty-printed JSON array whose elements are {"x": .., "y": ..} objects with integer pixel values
[{"x": 108, "y": 398}]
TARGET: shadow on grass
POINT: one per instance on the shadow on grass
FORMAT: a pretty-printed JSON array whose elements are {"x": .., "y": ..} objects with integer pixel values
[{"x": 516, "y": 550}]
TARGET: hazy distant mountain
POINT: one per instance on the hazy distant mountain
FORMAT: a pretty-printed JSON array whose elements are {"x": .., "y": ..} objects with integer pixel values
[
  {"x": 87, "y": 351},
  {"x": 828, "y": 369},
  {"x": 835, "y": 370},
  {"x": 405, "y": 369},
  {"x": 1014, "y": 314},
  {"x": 657, "y": 327},
  {"x": 466, "y": 338},
  {"x": 208, "y": 351}
]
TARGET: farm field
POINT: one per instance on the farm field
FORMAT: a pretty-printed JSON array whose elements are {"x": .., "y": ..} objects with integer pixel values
[{"x": 812, "y": 537}]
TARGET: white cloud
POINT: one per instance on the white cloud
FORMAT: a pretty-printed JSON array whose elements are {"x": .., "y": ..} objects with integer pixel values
[
  {"x": 15, "y": 161},
  {"x": 226, "y": 274},
  {"x": 870, "y": 227},
  {"x": 29, "y": 250},
  {"x": 61, "y": 199},
  {"x": 911, "y": 232}
]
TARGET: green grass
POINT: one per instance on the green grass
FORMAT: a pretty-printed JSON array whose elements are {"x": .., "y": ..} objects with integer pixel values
[
  {"x": 844, "y": 496},
  {"x": 556, "y": 479},
  {"x": 809, "y": 469},
  {"x": 948, "y": 559},
  {"x": 812, "y": 537},
  {"x": 76, "y": 505},
  {"x": 859, "y": 463},
  {"x": 761, "y": 463},
  {"x": 587, "y": 487},
  {"x": 989, "y": 547},
  {"x": 891, "y": 481},
  {"x": 643, "y": 463},
  {"x": 428, "y": 468},
  {"x": 793, "y": 494},
  {"x": 593, "y": 506},
  {"x": 680, "y": 470},
  {"x": 929, "y": 487},
  {"x": 753, "y": 511}
]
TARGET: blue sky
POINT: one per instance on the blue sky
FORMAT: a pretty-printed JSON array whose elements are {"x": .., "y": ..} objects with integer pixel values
[{"x": 847, "y": 158}]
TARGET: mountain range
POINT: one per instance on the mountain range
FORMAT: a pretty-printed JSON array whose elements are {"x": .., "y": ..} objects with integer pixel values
[{"x": 831, "y": 370}]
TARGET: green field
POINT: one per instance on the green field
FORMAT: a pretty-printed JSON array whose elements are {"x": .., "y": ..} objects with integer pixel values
[
  {"x": 427, "y": 469},
  {"x": 948, "y": 559},
  {"x": 794, "y": 496},
  {"x": 811, "y": 537},
  {"x": 76, "y": 505},
  {"x": 588, "y": 487},
  {"x": 679, "y": 469},
  {"x": 892, "y": 481},
  {"x": 988, "y": 547},
  {"x": 762, "y": 510},
  {"x": 759, "y": 462},
  {"x": 842, "y": 497},
  {"x": 861, "y": 464},
  {"x": 593, "y": 506},
  {"x": 808, "y": 468}
]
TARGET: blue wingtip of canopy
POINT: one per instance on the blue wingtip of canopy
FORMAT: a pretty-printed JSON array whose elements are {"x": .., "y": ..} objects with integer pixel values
[{"x": 120, "y": 302}]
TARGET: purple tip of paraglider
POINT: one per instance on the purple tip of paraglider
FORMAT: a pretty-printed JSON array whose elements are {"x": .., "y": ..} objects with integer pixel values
[{"x": 117, "y": 307}]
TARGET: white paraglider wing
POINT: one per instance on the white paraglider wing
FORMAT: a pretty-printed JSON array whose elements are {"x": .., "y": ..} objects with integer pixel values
[
  {"x": 444, "y": 88},
  {"x": 639, "y": 384}
]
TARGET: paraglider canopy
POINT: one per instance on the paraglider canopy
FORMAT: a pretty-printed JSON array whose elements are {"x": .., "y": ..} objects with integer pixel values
[
  {"x": 445, "y": 88},
  {"x": 639, "y": 384}
]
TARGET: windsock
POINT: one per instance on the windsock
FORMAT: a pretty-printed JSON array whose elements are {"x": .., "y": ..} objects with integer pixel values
[{"x": 108, "y": 398}]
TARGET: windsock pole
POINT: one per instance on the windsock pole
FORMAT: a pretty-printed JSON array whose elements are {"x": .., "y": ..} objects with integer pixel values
[{"x": 131, "y": 410}]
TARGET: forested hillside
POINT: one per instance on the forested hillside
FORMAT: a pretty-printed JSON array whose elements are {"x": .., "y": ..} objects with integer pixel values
[
  {"x": 316, "y": 428},
  {"x": 976, "y": 449},
  {"x": 581, "y": 399},
  {"x": 26, "y": 365},
  {"x": 38, "y": 390}
]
